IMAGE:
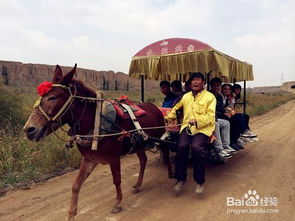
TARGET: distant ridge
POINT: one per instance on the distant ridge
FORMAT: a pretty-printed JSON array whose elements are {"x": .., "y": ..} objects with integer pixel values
[
  {"x": 266, "y": 89},
  {"x": 28, "y": 74},
  {"x": 287, "y": 86}
]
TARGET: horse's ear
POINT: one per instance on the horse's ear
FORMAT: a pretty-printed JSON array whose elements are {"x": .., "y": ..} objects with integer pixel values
[
  {"x": 69, "y": 76},
  {"x": 57, "y": 74}
]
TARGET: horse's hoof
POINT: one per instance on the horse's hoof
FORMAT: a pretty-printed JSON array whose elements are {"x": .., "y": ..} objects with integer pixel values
[
  {"x": 70, "y": 218},
  {"x": 116, "y": 209},
  {"x": 136, "y": 189}
]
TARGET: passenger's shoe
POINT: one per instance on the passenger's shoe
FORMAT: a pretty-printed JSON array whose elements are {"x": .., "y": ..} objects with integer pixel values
[
  {"x": 248, "y": 134},
  {"x": 246, "y": 139},
  {"x": 178, "y": 187},
  {"x": 226, "y": 151},
  {"x": 237, "y": 146},
  {"x": 224, "y": 154},
  {"x": 241, "y": 142},
  {"x": 199, "y": 189},
  {"x": 241, "y": 146},
  {"x": 255, "y": 139},
  {"x": 230, "y": 150}
]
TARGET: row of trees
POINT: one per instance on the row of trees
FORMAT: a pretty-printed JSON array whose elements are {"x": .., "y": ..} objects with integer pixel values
[{"x": 106, "y": 85}]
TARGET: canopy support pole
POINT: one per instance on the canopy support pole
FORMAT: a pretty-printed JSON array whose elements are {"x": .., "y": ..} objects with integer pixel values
[
  {"x": 244, "y": 97},
  {"x": 208, "y": 80},
  {"x": 142, "y": 87}
]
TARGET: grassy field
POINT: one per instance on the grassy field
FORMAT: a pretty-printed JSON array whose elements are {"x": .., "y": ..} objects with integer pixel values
[
  {"x": 22, "y": 160},
  {"x": 260, "y": 103}
]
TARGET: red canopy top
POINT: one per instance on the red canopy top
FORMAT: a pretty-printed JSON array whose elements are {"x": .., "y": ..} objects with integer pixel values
[{"x": 172, "y": 46}]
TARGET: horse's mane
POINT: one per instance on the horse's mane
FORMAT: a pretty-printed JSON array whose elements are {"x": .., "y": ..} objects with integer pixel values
[{"x": 83, "y": 89}]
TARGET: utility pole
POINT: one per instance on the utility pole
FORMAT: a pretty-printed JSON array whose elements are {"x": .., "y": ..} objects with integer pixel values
[{"x": 282, "y": 78}]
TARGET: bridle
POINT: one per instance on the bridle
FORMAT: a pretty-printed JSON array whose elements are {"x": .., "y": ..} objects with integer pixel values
[
  {"x": 65, "y": 106},
  {"x": 62, "y": 110}
]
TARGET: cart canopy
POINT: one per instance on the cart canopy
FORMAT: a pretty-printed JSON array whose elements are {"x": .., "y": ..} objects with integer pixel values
[{"x": 166, "y": 59}]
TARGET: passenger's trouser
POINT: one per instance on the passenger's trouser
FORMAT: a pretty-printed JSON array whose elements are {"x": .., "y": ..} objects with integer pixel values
[
  {"x": 222, "y": 134},
  {"x": 238, "y": 125},
  {"x": 198, "y": 143},
  {"x": 247, "y": 118}
]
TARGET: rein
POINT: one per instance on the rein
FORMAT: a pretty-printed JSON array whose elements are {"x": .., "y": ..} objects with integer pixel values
[{"x": 78, "y": 138}]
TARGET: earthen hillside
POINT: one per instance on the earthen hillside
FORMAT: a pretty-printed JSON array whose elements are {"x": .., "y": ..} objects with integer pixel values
[
  {"x": 22, "y": 74},
  {"x": 287, "y": 86}
]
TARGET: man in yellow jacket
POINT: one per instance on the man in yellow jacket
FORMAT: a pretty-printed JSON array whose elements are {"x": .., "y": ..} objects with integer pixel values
[{"x": 198, "y": 124}]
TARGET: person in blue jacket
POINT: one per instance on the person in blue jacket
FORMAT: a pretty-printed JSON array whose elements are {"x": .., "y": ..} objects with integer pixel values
[{"x": 170, "y": 96}]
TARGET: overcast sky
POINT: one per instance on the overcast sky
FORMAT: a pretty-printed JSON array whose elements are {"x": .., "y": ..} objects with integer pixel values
[{"x": 105, "y": 34}]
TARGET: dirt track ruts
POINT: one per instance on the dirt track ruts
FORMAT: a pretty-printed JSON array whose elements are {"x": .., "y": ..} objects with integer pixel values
[{"x": 267, "y": 166}]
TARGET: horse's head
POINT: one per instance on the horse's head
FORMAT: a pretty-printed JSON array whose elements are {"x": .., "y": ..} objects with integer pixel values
[{"x": 56, "y": 96}]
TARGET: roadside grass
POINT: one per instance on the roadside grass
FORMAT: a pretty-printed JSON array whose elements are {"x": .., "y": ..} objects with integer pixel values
[
  {"x": 22, "y": 161},
  {"x": 260, "y": 103}
]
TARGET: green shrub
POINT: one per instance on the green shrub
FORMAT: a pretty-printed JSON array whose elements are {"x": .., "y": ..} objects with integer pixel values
[
  {"x": 22, "y": 160},
  {"x": 11, "y": 116}
]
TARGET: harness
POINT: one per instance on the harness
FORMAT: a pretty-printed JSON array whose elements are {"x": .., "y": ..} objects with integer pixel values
[{"x": 96, "y": 135}]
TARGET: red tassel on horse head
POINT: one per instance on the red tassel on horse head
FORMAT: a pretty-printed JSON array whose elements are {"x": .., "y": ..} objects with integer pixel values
[{"x": 44, "y": 87}]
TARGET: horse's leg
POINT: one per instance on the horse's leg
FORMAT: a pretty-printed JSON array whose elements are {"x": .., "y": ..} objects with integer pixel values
[
  {"x": 116, "y": 172},
  {"x": 85, "y": 170},
  {"x": 142, "y": 160}
]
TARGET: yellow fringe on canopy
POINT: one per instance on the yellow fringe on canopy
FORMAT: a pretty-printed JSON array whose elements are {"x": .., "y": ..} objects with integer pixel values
[{"x": 169, "y": 66}]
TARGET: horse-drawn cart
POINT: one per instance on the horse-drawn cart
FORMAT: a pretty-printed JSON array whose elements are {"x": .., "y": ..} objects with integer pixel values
[
  {"x": 66, "y": 100},
  {"x": 176, "y": 58}
]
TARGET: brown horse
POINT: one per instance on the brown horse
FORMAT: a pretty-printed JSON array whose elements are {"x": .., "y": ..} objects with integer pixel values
[{"x": 80, "y": 116}]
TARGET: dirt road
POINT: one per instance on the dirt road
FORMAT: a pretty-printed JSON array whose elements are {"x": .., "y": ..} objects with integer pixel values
[{"x": 267, "y": 166}]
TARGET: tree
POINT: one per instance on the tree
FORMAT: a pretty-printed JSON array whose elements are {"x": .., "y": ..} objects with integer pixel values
[
  {"x": 127, "y": 86},
  {"x": 103, "y": 83},
  {"x": 5, "y": 75},
  {"x": 107, "y": 85},
  {"x": 117, "y": 84}
]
